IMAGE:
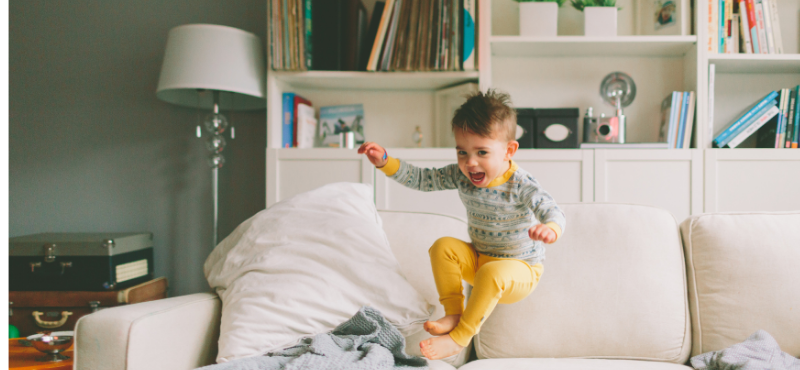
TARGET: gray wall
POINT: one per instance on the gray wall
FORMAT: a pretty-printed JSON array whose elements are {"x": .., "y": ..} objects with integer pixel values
[{"x": 92, "y": 149}]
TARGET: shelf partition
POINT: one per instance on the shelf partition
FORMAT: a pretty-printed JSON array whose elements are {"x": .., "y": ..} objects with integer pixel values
[
  {"x": 575, "y": 46},
  {"x": 755, "y": 63},
  {"x": 346, "y": 80}
]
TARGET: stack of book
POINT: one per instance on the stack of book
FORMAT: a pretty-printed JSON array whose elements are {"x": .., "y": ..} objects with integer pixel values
[
  {"x": 774, "y": 120},
  {"x": 744, "y": 26},
  {"x": 677, "y": 119},
  {"x": 402, "y": 35},
  {"x": 436, "y": 35}
]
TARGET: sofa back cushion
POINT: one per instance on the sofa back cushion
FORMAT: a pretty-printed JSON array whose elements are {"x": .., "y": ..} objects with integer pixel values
[
  {"x": 744, "y": 275},
  {"x": 613, "y": 287}
]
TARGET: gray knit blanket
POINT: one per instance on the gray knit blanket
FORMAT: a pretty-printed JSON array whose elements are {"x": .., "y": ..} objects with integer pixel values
[
  {"x": 759, "y": 351},
  {"x": 364, "y": 342}
]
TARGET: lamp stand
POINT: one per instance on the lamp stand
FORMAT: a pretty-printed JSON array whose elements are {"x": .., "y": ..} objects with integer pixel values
[{"x": 215, "y": 124}]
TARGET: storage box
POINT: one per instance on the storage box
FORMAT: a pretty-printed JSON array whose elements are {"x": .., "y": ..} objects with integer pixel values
[
  {"x": 556, "y": 128},
  {"x": 35, "y": 311},
  {"x": 80, "y": 261}
]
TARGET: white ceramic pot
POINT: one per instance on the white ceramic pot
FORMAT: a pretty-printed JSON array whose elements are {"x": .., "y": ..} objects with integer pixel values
[
  {"x": 600, "y": 21},
  {"x": 538, "y": 19}
]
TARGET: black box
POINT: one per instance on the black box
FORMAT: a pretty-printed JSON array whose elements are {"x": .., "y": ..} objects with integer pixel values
[
  {"x": 547, "y": 117},
  {"x": 79, "y": 261},
  {"x": 526, "y": 121}
]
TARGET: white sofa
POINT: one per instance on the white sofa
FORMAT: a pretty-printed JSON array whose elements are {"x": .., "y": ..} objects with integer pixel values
[{"x": 624, "y": 288}]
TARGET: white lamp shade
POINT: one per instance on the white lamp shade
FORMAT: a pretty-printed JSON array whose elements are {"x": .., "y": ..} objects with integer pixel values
[{"x": 211, "y": 57}]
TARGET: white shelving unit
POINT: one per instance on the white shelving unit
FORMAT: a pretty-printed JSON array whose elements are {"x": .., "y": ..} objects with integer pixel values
[{"x": 563, "y": 71}]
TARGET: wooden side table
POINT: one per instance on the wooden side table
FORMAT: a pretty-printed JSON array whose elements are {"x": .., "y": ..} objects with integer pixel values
[{"x": 24, "y": 358}]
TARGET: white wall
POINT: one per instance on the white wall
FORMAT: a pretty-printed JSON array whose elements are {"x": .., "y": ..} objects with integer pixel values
[{"x": 92, "y": 149}]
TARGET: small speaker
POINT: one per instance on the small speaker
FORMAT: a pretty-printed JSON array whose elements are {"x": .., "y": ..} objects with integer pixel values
[{"x": 556, "y": 128}]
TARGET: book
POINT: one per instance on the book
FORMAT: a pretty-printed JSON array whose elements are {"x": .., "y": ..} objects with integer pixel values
[
  {"x": 306, "y": 126},
  {"x": 682, "y": 120},
  {"x": 711, "y": 82},
  {"x": 307, "y": 14},
  {"x": 295, "y": 103},
  {"x": 762, "y": 36},
  {"x": 327, "y": 34},
  {"x": 790, "y": 121},
  {"x": 728, "y": 47},
  {"x": 774, "y": 103},
  {"x": 753, "y": 24},
  {"x": 624, "y": 146},
  {"x": 380, "y": 35},
  {"x": 754, "y": 125},
  {"x": 744, "y": 29},
  {"x": 781, "y": 132},
  {"x": 765, "y": 8},
  {"x": 723, "y": 137},
  {"x": 337, "y": 119},
  {"x": 796, "y": 134},
  {"x": 666, "y": 108},
  {"x": 734, "y": 36},
  {"x": 713, "y": 25},
  {"x": 469, "y": 35},
  {"x": 388, "y": 47},
  {"x": 721, "y": 30},
  {"x": 674, "y": 118},
  {"x": 687, "y": 138},
  {"x": 776, "y": 26},
  {"x": 288, "y": 120}
]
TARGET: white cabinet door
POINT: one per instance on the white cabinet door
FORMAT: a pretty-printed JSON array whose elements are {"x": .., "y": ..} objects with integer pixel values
[
  {"x": 568, "y": 175},
  {"x": 743, "y": 180},
  {"x": 293, "y": 171},
  {"x": 668, "y": 179},
  {"x": 565, "y": 174}
]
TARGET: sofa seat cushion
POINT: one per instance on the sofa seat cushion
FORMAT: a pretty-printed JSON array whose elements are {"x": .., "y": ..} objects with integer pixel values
[
  {"x": 744, "y": 275},
  {"x": 614, "y": 286},
  {"x": 569, "y": 364}
]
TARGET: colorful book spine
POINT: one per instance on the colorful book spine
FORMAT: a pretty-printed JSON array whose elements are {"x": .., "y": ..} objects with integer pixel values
[
  {"x": 784, "y": 115},
  {"x": 469, "y": 35},
  {"x": 308, "y": 43},
  {"x": 790, "y": 121},
  {"x": 687, "y": 133},
  {"x": 721, "y": 25},
  {"x": 759, "y": 113},
  {"x": 728, "y": 26},
  {"x": 796, "y": 135},
  {"x": 288, "y": 120},
  {"x": 713, "y": 16},
  {"x": 682, "y": 122},
  {"x": 755, "y": 124},
  {"x": 723, "y": 137},
  {"x": 753, "y": 24},
  {"x": 744, "y": 28}
]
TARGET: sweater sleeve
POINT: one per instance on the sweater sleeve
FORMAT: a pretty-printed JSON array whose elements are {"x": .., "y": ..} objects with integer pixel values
[
  {"x": 422, "y": 179},
  {"x": 544, "y": 207}
]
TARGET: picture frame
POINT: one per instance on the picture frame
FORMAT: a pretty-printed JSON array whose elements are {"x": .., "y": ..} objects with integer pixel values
[{"x": 664, "y": 17}]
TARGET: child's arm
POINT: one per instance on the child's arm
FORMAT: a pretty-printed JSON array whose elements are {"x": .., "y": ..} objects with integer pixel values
[
  {"x": 423, "y": 179},
  {"x": 544, "y": 207}
]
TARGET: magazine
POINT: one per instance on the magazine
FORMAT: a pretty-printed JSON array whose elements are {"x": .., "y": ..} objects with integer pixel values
[{"x": 337, "y": 119}]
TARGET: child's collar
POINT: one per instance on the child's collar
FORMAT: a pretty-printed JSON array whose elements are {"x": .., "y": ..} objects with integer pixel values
[{"x": 500, "y": 180}]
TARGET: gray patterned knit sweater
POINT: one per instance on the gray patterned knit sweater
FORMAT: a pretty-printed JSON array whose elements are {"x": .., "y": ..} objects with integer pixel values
[{"x": 498, "y": 217}]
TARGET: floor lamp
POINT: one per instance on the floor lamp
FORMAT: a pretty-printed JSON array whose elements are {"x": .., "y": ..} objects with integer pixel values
[{"x": 213, "y": 67}]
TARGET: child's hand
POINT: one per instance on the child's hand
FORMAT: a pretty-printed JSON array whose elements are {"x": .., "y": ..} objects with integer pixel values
[
  {"x": 542, "y": 232},
  {"x": 375, "y": 153}
]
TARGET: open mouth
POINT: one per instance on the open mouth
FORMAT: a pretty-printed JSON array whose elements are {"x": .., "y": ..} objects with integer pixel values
[{"x": 477, "y": 177}]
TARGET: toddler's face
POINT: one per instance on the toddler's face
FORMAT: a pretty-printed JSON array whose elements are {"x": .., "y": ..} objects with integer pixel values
[{"x": 483, "y": 159}]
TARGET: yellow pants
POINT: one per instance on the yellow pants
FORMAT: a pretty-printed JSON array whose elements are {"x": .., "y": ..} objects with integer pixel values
[{"x": 494, "y": 280}]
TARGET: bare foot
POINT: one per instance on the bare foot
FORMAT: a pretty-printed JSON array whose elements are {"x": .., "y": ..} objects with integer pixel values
[
  {"x": 437, "y": 348},
  {"x": 442, "y": 326}
]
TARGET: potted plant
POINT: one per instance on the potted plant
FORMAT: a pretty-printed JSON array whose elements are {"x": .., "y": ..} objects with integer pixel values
[
  {"x": 599, "y": 16},
  {"x": 538, "y": 17}
]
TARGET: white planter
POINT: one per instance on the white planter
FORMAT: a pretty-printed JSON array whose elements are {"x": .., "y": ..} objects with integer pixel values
[
  {"x": 600, "y": 21},
  {"x": 538, "y": 19}
]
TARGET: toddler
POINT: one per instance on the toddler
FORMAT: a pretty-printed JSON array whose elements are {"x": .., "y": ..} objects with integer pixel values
[{"x": 509, "y": 216}]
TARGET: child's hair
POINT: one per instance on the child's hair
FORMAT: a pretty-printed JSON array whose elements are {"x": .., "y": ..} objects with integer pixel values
[{"x": 488, "y": 115}]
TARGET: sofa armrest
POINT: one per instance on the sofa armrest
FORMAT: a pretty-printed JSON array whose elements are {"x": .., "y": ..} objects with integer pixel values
[{"x": 172, "y": 333}]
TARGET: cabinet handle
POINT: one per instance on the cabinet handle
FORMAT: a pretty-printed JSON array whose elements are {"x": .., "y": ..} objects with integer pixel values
[{"x": 51, "y": 324}]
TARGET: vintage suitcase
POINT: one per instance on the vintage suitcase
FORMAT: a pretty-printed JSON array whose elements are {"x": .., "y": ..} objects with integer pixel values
[
  {"x": 80, "y": 261},
  {"x": 35, "y": 311}
]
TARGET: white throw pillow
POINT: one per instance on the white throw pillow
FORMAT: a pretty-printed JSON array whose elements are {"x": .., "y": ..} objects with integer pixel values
[{"x": 304, "y": 266}]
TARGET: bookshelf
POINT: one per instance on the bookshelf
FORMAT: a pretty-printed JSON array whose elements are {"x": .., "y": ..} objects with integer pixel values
[{"x": 566, "y": 71}]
